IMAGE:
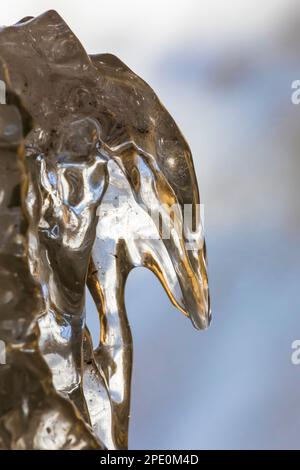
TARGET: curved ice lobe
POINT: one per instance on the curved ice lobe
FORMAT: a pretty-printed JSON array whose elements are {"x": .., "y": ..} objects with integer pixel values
[
  {"x": 157, "y": 163},
  {"x": 32, "y": 414},
  {"x": 99, "y": 133}
]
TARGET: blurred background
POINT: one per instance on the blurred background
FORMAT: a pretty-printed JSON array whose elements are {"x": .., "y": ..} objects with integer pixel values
[{"x": 224, "y": 70}]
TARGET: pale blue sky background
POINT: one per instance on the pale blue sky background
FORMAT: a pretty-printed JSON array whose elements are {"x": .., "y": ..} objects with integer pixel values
[{"x": 224, "y": 70}]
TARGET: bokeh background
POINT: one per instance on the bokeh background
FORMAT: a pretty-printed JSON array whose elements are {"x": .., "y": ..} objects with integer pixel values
[{"x": 224, "y": 70}]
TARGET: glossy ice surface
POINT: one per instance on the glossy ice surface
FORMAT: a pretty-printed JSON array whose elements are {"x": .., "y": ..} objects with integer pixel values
[{"x": 107, "y": 178}]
